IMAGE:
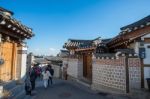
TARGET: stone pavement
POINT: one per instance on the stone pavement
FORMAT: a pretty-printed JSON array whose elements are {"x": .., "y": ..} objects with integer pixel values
[{"x": 72, "y": 90}]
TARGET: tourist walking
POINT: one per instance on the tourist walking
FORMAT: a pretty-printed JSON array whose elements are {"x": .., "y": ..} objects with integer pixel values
[
  {"x": 28, "y": 86},
  {"x": 33, "y": 77},
  {"x": 49, "y": 67},
  {"x": 46, "y": 74}
]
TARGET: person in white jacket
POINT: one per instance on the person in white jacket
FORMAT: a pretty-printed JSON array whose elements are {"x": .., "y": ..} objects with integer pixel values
[{"x": 46, "y": 74}]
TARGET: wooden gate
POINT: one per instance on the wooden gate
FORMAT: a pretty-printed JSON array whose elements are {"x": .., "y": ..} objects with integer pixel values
[
  {"x": 8, "y": 53},
  {"x": 87, "y": 66}
]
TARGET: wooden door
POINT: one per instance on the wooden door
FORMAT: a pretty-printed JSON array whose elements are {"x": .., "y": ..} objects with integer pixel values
[
  {"x": 87, "y": 66},
  {"x": 84, "y": 65},
  {"x": 7, "y": 69}
]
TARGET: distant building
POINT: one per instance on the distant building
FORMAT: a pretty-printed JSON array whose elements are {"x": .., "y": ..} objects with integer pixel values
[
  {"x": 55, "y": 60},
  {"x": 63, "y": 53},
  {"x": 13, "y": 49},
  {"x": 30, "y": 61},
  {"x": 41, "y": 61}
]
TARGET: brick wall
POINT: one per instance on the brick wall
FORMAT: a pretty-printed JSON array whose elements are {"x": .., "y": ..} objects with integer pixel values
[
  {"x": 134, "y": 72},
  {"x": 109, "y": 73}
]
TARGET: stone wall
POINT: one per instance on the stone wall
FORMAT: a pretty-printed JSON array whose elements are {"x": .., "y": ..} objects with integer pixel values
[
  {"x": 109, "y": 73},
  {"x": 134, "y": 72}
]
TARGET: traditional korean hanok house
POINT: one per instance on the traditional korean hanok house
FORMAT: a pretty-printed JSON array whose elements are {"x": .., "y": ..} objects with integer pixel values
[
  {"x": 79, "y": 63},
  {"x": 13, "y": 50},
  {"x": 63, "y": 53},
  {"x": 135, "y": 36}
]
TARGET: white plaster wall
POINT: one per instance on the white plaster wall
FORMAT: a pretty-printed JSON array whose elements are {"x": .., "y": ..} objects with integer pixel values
[
  {"x": 64, "y": 62},
  {"x": 136, "y": 47},
  {"x": 147, "y": 51},
  {"x": 146, "y": 60},
  {"x": 146, "y": 75},
  {"x": 73, "y": 68},
  {"x": 56, "y": 71},
  {"x": 80, "y": 68},
  {"x": 145, "y": 36},
  {"x": 23, "y": 62}
]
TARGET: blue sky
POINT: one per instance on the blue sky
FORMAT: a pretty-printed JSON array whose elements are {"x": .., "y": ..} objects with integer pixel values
[{"x": 55, "y": 21}]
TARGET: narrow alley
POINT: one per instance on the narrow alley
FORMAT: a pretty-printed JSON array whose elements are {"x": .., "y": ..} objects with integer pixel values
[{"x": 63, "y": 89}]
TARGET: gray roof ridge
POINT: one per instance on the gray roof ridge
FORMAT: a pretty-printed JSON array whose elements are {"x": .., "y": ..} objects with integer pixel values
[{"x": 137, "y": 23}]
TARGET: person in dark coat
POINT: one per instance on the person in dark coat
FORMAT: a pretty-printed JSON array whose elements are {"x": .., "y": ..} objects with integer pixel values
[
  {"x": 33, "y": 78},
  {"x": 49, "y": 68},
  {"x": 28, "y": 86}
]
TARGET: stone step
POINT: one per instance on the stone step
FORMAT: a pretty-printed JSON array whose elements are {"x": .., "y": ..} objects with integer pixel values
[
  {"x": 12, "y": 88},
  {"x": 16, "y": 91},
  {"x": 9, "y": 85}
]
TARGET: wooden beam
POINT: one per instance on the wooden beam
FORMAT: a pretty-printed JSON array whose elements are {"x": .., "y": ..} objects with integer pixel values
[
  {"x": 10, "y": 33},
  {"x": 134, "y": 35}
]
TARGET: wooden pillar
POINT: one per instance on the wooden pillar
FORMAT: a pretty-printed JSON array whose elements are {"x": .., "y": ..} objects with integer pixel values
[
  {"x": 13, "y": 63},
  {"x": 127, "y": 74},
  {"x": 142, "y": 73}
]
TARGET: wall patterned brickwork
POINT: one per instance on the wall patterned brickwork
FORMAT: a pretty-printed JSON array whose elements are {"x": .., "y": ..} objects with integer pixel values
[
  {"x": 134, "y": 72},
  {"x": 109, "y": 73}
]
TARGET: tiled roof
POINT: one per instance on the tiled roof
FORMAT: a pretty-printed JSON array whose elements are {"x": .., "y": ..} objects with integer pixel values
[
  {"x": 77, "y": 43},
  {"x": 40, "y": 60},
  {"x": 5, "y": 10},
  {"x": 14, "y": 25},
  {"x": 126, "y": 30},
  {"x": 138, "y": 23},
  {"x": 85, "y": 44},
  {"x": 53, "y": 58},
  {"x": 63, "y": 53}
]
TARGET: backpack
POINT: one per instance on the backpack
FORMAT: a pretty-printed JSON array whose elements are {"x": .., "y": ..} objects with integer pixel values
[{"x": 37, "y": 71}]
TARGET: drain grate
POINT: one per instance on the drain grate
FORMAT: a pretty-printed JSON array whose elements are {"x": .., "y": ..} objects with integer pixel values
[{"x": 65, "y": 95}]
